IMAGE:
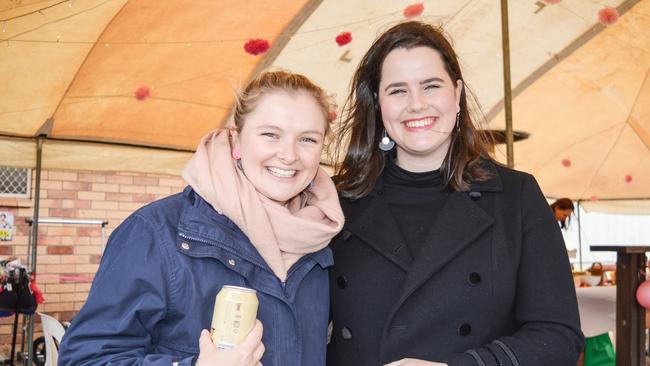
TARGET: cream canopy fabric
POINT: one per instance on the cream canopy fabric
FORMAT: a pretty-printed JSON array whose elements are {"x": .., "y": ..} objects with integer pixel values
[
  {"x": 581, "y": 88},
  {"x": 82, "y": 62},
  {"x": 590, "y": 119}
]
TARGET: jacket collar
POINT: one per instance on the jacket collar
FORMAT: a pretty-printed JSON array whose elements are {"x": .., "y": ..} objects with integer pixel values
[
  {"x": 378, "y": 228},
  {"x": 461, "y": 218},
  {"x": 456, "y": 229},
  {"x": 201, "y": 221},
  {"x": 461, "y": 221},
  {"x": 492, "y": 184}
]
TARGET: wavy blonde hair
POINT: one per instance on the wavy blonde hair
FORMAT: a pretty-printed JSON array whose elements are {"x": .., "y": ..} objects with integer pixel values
[{"x": 280, "y": 80}]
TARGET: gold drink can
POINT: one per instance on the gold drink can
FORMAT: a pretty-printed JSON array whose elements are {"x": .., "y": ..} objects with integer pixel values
[{"x": 235, "y": 311}]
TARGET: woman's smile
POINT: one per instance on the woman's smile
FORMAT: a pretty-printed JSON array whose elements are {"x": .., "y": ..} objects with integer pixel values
[{"x": 419, "y": 124}]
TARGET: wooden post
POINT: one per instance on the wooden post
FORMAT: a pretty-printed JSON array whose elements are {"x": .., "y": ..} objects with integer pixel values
[
  {"x": 507, "y": 88},
  {"x": 630, "y": 316}
]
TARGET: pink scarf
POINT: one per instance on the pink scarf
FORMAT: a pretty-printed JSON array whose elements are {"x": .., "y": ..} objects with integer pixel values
[{"x": 281, "y": 234}]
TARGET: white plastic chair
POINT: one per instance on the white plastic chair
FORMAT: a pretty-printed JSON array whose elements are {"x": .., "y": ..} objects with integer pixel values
[{"x": 52, "y": 330}]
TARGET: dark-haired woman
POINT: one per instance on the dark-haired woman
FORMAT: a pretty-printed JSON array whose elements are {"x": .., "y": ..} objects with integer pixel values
[
  {"x": 446, "y": 257},
  {"x": 562, "y": 210}
]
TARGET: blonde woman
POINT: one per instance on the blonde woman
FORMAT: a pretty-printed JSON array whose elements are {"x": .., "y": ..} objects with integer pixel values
[{"x": 258, "y": 213}]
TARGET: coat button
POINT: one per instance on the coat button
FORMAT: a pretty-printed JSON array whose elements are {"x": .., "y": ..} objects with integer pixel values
[
  {"x": 464, "y": 329},
  {"x": 474, "y": 278},
  {"x": 346, "y": 333},
  {"x": 475, "y": 195},
  {"x": 342, "y": 282},
  {"x": 185, "y": 246},
  {"x": 231, "y": 262}
]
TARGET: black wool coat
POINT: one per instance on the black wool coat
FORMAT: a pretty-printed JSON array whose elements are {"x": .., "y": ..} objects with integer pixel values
[{"x": 491, "y": 285}]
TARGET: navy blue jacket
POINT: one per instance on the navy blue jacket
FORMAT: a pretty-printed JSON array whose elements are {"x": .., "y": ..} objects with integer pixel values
[{"x": 156, "y": 285}]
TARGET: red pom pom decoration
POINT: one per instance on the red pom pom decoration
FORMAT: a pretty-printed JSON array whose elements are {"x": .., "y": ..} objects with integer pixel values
[
  {"x": 38, "y": 294},
  {"x": 142, "y": 93},
  {"x": 628, "y": 178},
  {"x": 643, "y": 294},
  {"x": 413, "y": 10},
  {"x": 566, "y": 163},
  {"x": 256, "y": 46},
  {"x": 608, "y": 15},
  {"x": 552, "y": 1},
  {"x": 344, "y": 38}
]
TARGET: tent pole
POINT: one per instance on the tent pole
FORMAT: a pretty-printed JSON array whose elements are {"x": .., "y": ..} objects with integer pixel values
[
  {"x": 507, "y": 88},
  {"x": 37, "y": 201},
  {"x": 579, "y": 236}
]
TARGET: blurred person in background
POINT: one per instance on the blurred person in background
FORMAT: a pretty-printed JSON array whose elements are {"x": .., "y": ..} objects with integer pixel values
[{"x": 562, "y": 210}]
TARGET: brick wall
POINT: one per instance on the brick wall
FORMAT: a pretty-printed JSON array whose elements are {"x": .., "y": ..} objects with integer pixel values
[{"x": 69, "y": 255}]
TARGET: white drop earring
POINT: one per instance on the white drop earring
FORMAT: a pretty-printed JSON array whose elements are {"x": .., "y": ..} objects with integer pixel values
[{"x": 386, "y": 144}]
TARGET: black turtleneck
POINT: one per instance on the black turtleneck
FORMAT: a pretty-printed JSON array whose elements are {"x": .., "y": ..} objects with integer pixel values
[{"x": 415, "y": 199}]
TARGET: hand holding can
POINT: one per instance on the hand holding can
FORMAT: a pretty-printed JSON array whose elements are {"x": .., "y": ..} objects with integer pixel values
[
  {"x": 248, "y": 353},
  {"x": 235, "y": 310}
]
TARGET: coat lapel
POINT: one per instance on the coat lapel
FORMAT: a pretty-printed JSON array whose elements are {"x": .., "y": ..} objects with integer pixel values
[
  {"x": 377, "y": 227},
  {"x": 460, "y": 222}
]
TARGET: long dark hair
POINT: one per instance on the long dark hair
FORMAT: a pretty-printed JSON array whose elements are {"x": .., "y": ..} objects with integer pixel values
[{"x": 361, "y": 125}]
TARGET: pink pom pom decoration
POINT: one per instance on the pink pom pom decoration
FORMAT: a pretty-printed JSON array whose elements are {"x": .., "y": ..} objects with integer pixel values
[
  {"x": 142, "y": 93},
  {"x": 608, "y": 15},
  {"x": 414, "y": 10},
  {"x": 643, "y": 294}
]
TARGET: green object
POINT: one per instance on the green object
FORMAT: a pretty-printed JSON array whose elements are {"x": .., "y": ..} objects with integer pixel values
[{"x": 599, "y": 351}]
